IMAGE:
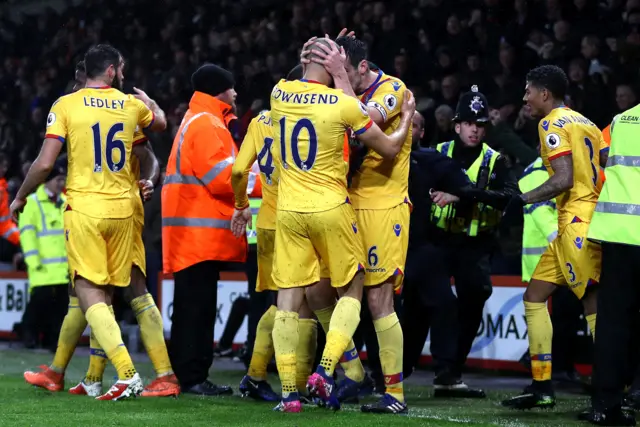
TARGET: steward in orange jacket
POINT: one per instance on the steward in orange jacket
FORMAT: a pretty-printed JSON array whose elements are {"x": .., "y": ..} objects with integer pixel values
[
  {"x": 8, "y": 228},
  {"x": 197, "y": 204}
]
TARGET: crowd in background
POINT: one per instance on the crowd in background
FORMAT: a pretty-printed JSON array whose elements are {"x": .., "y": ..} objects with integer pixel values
[{"x": 439, "y": 48}]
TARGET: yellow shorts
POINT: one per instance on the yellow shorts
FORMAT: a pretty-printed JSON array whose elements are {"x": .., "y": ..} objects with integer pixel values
[
  {"x": 303, "y": 239},
  {"x": 571, "y": 260},
  {"x": 385, "y": 234},
  {"x": 137, "y": 252},
  {"x": 99, "y": 249},
  {"x": 266, "y": 242}
]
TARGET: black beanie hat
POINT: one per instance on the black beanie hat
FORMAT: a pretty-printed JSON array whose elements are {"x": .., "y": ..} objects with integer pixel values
[
  {"x": 212, "y": 80},
  {"x": 58, "y": 169}
]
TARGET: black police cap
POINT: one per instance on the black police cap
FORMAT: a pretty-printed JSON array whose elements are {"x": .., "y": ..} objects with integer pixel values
[{"x": 472, "y": 107}]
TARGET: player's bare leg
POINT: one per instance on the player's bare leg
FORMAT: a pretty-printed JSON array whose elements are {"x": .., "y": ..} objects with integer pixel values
[
  {"x": 344, "y": 321},
  {"x": 390, "y": 340},
  {"x": 540, "y": 393},
  {"x": 285, "y": 343},
  {"x": 52, "y": 377},
  {"x": 93, "y": 301},
  {"x": 152, "y": 332}
]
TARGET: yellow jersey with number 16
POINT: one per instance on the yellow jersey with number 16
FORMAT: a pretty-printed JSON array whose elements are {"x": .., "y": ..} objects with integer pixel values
[
  {"x": 98, "y": 126},
  {"x": 309, "y": 121},
  {"x": 563, "y": 132}
]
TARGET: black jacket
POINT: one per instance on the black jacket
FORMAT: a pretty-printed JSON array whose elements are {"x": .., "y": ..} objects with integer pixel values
[{"x": 430, "y": 169}]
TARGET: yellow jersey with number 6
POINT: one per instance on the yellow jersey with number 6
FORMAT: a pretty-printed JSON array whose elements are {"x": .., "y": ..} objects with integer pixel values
[
  {"x": 563, "y": 132},
  {"x": 98, "y": 126},
  {"x": 309, "y": 121}
]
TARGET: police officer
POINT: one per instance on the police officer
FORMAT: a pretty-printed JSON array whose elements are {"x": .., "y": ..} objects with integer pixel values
[
  {"x": 615, "y": 224},
  {"x": 456, "y": 239}
]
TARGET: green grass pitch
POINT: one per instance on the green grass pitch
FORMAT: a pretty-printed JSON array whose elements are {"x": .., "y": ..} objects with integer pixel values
[{"x": 24, "y": 405}]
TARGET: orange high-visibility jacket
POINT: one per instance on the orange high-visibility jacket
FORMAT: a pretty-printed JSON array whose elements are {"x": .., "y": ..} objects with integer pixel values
[
  {"x": 8, "y": 228},
  {"x": 197, "y": 198}
]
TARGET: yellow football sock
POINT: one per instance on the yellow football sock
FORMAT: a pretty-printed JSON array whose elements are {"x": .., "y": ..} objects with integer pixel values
[
  {"x": 97, "y": 358},
  {"x": 540, "y": 337},
  {"x": 285, "y": 343},
  {"x": 305, "y": 352},
  {"x": 104, "y": 326},
  {"x": 73, "y": 325},
  {"x": 350, "y": 361},
  {"x": 390, "y": 340},
  {"x": 344, "y": 322},
  {"x": 263, "y": 346},
  {"x": 152, "y": 332},
  {"x": 591, "y": 320}
]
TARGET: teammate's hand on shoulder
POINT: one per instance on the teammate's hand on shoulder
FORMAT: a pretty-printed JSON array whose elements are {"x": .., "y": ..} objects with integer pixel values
[
  {"x": 142, "y": 96},
  {"x": 443, "y": 199},
  {"x": 408, "y": 104},
  {"x": 16, "y": 208},
  {"x": 146, "y": 188},
  {"x": 240, "y": 220}
]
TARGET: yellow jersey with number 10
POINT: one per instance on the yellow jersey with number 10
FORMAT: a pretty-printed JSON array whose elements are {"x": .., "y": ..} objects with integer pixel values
[
  {"x": 309, "y": 121},
  {"x": 98, "y": 126},
  {"x": 563, "y": 132},
  {"x": 379, "y": 183}
]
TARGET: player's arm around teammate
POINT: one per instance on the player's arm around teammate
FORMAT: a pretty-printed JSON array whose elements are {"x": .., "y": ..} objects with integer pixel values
[{"x": 380, "y": 283}]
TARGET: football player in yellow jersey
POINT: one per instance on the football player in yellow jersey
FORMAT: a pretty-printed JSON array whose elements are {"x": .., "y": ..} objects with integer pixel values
[
  {"x": 314, "y": 217},
  {"x": 136, "y": 294},
  {"x": 570, "y": 146},
  {"x": 379, "y": 193},
  {"x": 98, "y": 123},
  {"x": 52, "y": 377},
  {"x": 257, "y": 146}
]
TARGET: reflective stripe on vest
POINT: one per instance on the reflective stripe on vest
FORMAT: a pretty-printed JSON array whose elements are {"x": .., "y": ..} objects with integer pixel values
[
  {"x": 483, "y": 217},
  {"x": 618, "y": 208},
  {"x": 174, "y": 221},
  {"x": 212, "y": 174},
  {"x": 252, "y": 233},
  {"x": 45, "y": 231}
]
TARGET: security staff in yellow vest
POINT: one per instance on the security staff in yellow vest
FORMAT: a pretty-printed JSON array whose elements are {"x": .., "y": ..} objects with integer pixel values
[
  {"x": 43, "y": 246},
  {"x": 461, "y": 239},
  {"x": 540, "y": 220},
  {"x": 616, "y": 226}
]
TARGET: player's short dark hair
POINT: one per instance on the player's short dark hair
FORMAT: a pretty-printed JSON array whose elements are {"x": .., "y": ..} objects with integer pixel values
[
  {"x": 98, "y": 58},
  {"x": 551, "y": 78},
  {"x": 80, "y": 67},
  {"x": 355, "y": 49},
  {"x": 295, "y": 73}
]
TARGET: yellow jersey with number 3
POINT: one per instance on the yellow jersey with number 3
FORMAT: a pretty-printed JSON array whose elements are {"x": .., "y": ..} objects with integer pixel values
[
  {"x": 563, "y": 132},
  {"x": 309, "y": 121},
  {"x": 258, "y": 144},
  {"x": 98, "y": 126},
  {"x": 378, "y": 183}
]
